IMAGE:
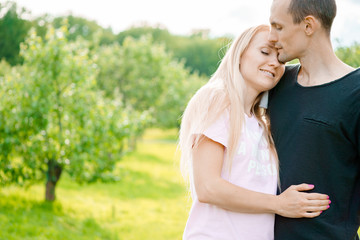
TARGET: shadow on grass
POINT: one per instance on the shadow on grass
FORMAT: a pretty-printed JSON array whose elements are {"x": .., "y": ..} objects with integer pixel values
[
  {"x": 22, "y": 218},
  {"x": 143, "y": 181}
]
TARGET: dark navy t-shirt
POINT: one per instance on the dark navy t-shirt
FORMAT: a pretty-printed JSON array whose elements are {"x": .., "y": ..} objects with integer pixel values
[{"x": 317, "y": 135}]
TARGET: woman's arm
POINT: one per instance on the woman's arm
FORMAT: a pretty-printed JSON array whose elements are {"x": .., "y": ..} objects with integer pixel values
[{"x": 211, "y": 188}]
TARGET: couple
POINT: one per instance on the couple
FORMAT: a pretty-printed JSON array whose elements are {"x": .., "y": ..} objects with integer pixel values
[{"x": 229, "y": 154}]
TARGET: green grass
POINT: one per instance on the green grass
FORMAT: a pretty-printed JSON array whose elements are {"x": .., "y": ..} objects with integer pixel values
[
  {"x": 170, "y": 135},
  {"x": 149, "y": 202}
]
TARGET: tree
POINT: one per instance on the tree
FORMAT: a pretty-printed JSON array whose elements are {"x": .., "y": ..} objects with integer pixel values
[
  {"x": 147, "y": 78},
  {"x": 200, "y": 54},
  {"x": 5, "y": 68},
  {"x": 53, "y": 117},
  {"x": 158, "y": 34},
  {"x": 82, "y": 27},
  {"x": 350, "y": 55},
  {"x": 13, "y": 30}
]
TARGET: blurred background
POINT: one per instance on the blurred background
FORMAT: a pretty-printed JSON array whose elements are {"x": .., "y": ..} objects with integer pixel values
[{"x": 91, "y": 97}]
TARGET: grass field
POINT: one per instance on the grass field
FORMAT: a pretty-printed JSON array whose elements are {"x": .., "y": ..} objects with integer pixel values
[{"x": 150, "y": 201}]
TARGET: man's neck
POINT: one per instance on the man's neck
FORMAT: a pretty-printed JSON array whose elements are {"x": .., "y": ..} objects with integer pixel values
[{"x": 320, "y": 65}]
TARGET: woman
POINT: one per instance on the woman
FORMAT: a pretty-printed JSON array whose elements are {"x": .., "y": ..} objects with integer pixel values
[{"x": 228, "y": 153}]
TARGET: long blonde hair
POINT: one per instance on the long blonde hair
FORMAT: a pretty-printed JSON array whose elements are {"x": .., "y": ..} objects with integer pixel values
[{"x": 224, "y": 91}]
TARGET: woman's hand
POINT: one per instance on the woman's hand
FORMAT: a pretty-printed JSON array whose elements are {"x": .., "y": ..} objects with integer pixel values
[{"x": 294, "y": 203}]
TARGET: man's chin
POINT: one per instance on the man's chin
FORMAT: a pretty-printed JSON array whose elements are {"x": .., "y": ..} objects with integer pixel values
[{"x": 284, "y": 58}]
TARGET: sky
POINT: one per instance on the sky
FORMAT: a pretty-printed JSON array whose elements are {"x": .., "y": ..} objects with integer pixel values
[{"x": 225, "y": 17}]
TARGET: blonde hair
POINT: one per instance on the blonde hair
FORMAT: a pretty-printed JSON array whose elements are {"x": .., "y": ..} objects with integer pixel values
[{"x": 224, "y": 91}]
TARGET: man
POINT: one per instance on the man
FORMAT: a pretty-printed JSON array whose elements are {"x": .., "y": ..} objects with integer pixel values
[{"x": 315, "y": 117}]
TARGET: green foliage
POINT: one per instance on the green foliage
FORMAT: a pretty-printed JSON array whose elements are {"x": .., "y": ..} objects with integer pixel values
[
  {"x": 150, "y": 199},
  {"x": 13, "y": 30},
  {"x": 350, "y": 55},
  {"x": 82, "y": 27},
  {"x": 52, "y": 112},
  {"x": 200, "y": 53},
  {"x": 147, "y": 78},
  {"x": 139, "y": 67},
  {"x": 5, "y": 68},
  {"x": 158, "y": 34},
  {"x": 294, "y": 61}
]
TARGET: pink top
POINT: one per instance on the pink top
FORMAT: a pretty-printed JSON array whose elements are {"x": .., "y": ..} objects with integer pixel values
[{"x": 253, "y": 169}]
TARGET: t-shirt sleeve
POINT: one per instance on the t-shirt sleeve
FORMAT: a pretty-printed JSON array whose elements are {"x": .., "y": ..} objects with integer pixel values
[{"x": 219, "y": 130}]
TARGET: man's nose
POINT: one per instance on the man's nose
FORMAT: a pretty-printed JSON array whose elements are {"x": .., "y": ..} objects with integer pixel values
[{"x": 272, "y": 36}]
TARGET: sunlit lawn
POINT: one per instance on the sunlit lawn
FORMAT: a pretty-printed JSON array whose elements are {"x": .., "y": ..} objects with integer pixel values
[{"x": 150, "y": 201}]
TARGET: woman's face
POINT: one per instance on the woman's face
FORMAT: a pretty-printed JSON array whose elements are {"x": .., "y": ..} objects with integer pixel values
[{"x": 259, "y": 64}]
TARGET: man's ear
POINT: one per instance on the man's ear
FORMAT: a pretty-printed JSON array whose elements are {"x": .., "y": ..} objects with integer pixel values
[{"x": 311, "y": 24}]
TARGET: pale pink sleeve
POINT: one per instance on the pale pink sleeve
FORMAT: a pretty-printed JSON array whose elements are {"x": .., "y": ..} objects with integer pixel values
[{"x": 219, "y": 130}]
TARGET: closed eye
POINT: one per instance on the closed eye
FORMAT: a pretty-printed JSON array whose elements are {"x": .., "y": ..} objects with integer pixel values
[
  {"x": 265, "y": 53},
  {"x": 276, "y": 26}
]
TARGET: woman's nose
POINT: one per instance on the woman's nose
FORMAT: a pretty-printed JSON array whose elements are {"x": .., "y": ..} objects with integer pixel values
[{"x": 274, "y": 61}]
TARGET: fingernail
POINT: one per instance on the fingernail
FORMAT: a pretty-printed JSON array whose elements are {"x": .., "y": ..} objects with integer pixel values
[
  {"x": 327, "y": 197},
  {"x": 329, "y": 201},
  {"x": 320, "y": 211},
  {"x": 328, "y": 206},
  {"x": 310, "y": 185}
]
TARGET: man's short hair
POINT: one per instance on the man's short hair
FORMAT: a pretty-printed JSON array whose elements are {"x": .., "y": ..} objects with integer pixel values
[{"x": 323, "y": 10}]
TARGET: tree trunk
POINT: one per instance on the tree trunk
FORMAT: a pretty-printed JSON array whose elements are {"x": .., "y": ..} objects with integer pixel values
[
  {"x": 52, "y": 177},
  {"x": 132, "y": 143}
]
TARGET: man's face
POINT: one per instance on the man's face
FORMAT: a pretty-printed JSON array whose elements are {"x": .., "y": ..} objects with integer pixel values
[{"x": 289, "y": 38}]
